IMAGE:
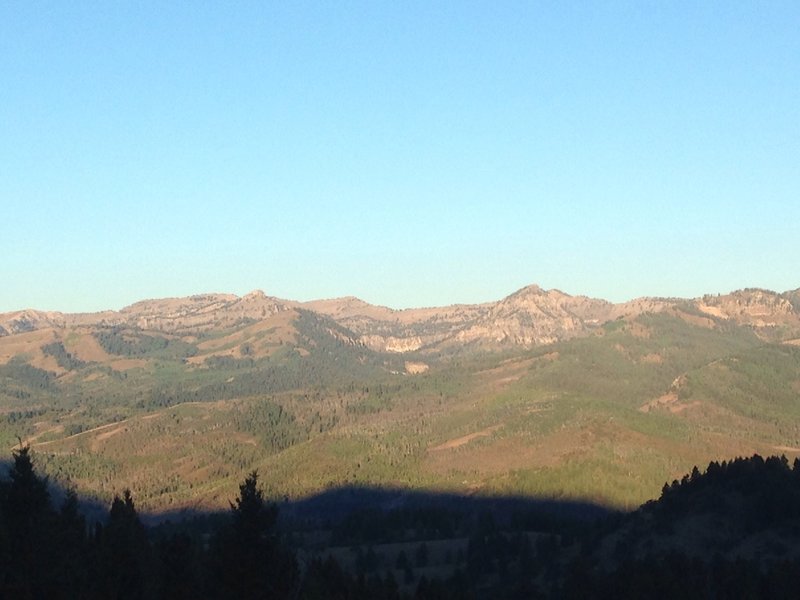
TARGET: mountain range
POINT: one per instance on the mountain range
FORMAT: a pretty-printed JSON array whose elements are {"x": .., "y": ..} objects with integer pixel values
[
  {"x": 540, "y": 393},
  {"x": 529, "y": 317}
]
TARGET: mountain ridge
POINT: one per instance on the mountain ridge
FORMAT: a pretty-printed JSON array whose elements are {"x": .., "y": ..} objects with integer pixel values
[
  {"x": 532, "y": 394},
  {"x": 530, "y": 316}
]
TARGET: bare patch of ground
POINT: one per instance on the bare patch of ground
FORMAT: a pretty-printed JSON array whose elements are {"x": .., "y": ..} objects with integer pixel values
[
  {"x": 125, "y": 364},
  {"x": 43, "y": 429},
  {"x": 30, "y": 344},
  {"x": 511, "y": 366},
  {"x": 792, "y": 449},
  {"x": 499, "y": 457},
  {"x": 47, "y": 363},
  {"x": 84, "y": 346},
  {"x": 25, "y": 343},
  {"x": 695, "y": 320},
  {"x": 521, "y": 452},
  {"x": 107, "y": 434},
  {"x": 466, "y": 439},
  {"x": 714, "y": 311},
  {"x": 512, "y": 370},
  {"x": 668, "y": 401},
  {"x": 87, "y": 433}
]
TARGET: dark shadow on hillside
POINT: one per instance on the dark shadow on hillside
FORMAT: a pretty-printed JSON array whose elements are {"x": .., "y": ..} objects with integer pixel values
[
  {"x": 331, "y": 507},
  {"x": 733, "y": 528},
  {"x": 60, "y": 545},
  {"x": 339, "y": 504}
]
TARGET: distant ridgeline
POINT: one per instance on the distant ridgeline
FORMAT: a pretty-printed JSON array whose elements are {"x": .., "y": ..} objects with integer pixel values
[{"x": 730, "y": 532}]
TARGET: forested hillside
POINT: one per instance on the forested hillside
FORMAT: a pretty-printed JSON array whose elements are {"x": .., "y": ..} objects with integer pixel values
[
  {"x": 178, "y": 399},
  {"x": 728, "y": 532}
]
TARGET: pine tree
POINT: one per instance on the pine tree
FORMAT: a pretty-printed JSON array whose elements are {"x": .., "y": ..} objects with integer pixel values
[
  {"x": 124, "y": 553},
  {"x": 28, "y": 522},
  {"x": 71, "y": 577},
  {"x": 248, "y": 560}
]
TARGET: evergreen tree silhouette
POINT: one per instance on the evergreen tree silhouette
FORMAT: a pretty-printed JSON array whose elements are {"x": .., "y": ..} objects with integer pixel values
[
  {"x": 248, "y": 560},
  {"x": 28, "y": 519},
  {"x": 123, "y": 553},
  {"x": 71, "y": 576}
]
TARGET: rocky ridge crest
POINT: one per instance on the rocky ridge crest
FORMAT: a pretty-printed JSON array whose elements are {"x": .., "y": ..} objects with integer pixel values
[{"x": 529, "y": 317}]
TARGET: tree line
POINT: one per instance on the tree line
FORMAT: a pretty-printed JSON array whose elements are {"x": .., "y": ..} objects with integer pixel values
[{"x": 49, "y": 550}]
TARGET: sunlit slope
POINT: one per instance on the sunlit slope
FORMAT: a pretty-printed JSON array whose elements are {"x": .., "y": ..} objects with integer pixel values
[{"x": 608, "y": 417}]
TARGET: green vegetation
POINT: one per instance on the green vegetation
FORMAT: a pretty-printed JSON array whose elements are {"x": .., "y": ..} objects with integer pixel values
[
  {"x": 64, "y": 359},
  {"x": 49, "y": 552},
  {"x": 124, "y": 342},
  {"x": 274, "y": 428},
  {"x": 23, "y": 381},
  {"x": 762, "y": 383},
  {"x": 607, "y": 417},
  {"x": 727, "y": 532}
]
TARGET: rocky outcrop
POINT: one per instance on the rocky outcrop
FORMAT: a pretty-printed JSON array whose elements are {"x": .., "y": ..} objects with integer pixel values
[
  {"x": 29, "y": 320},
  {"x": 533, "y": 316},
  {"x": 200, "y": 313},
  {"x": 756, "y": 307},
  {"x": 529, "y": 317}
]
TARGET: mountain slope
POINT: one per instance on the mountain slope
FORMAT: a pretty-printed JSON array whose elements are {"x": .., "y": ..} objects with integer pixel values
[{"x": 541, "y": 393}]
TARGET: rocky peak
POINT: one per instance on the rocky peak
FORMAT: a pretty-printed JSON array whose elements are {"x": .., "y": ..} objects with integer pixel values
[
  {"x": 530, "y": 316},
  {"x": 254, "y": 295},
  {"x": 533, "y": 316}
]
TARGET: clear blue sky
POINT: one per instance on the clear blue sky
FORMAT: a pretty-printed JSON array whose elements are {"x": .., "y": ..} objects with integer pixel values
[{"x": 409, "y": 153}]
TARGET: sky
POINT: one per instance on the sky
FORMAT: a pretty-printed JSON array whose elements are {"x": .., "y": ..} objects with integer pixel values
[{"x": 408, "y": 153}]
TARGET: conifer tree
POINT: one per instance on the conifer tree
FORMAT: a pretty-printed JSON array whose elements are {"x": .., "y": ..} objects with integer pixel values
[
  {"x": 248, "y": 560},
  {"x": 70, "y": 541},
  {"x": 124, "y": 553},
  {"x": 28, "y": 521}
]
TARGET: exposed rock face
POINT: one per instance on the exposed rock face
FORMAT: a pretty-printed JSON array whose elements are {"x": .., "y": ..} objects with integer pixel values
[
  {"x": 29, "y": 320},
  {"x": 196, "y": 313},
  {"x": 760, "y": 308},
  {"x": 640, "y": 306},
  {"x": 392, "y": 344},
  {"x": 193, "y": 314},
  {"x": 533, "y": 316},
  {"x": 529, "y": 317},
  {"x": 387, "y": 330}
]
